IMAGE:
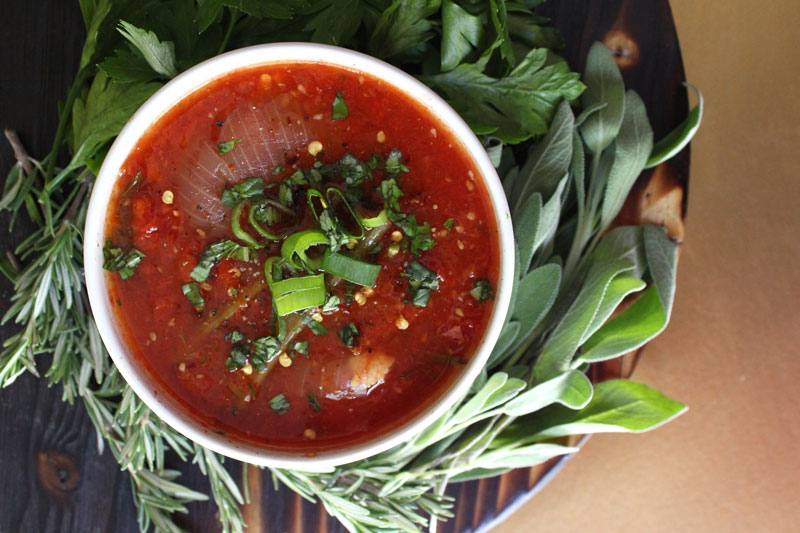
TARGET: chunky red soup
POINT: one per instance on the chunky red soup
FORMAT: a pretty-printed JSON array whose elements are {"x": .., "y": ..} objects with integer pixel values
[{"x": 301, "y": 255}]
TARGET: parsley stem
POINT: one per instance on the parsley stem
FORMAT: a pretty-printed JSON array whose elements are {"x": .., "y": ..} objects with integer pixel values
[
  {"x": 66, "y": 112},
  {"x": 235, "y": 14}
]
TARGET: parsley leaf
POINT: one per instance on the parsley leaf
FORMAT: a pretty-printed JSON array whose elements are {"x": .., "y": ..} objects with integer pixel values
[
  {"x": 227, "y": 146},
  {"x": 115, "y": 260},
  {"x": 280, "y": 404},
  {"x": 214, "y": 254},
  {"x": 461, "y": 31},
  {"x": 249, "y": 188},
  {"x": 159, "y": 55},
  {"x": 402, "y": 26},
  {"x": 349, "y": 335},
  {"x": 421, "y": 281},
  {"x": 337, "y": 23},
  {"x": 513, "y": 108},
  {"x": 482, "y": 290},
  {"x": 102, "y": 114},
  {"x": 448, "y": 224},
  {"x": 340, "y": 109}
]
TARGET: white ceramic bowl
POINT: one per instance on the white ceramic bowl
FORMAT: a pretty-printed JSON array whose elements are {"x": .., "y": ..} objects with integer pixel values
[{"x": 160, "y": 401}]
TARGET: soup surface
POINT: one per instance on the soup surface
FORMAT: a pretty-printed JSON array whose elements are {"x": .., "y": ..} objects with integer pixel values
[{"x": 301, "y": 255}]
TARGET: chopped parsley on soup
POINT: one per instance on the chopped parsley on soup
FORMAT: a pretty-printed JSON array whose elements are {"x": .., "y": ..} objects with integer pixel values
[{"x": 301, "y": 255}]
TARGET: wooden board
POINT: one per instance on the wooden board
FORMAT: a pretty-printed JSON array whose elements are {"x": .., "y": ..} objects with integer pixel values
[{"x": 52, "y": 478}]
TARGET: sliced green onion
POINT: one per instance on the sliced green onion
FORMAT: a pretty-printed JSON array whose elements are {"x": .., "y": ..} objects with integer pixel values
[
  {"x": 312, "y": 194},
  {"x": 333, "y": 191},
  {"x": 379, "y": 220},
  {"x": 251, "y": 218},
  {"x": 295, "y": 294},
  {"x": 240, "y": 233},
  {"x": 351, "y": 269},
  {"x": 295, "y": 246}
]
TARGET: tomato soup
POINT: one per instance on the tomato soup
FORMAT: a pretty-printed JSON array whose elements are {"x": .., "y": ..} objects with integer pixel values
[{"x": 301, "y": 255}]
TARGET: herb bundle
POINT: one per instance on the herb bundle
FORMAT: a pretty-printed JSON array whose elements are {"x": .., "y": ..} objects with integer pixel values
[{"x": 494, "y": 64}]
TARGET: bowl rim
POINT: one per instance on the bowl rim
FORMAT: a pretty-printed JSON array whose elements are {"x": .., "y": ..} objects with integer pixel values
[{"x": 185, "y": 84}]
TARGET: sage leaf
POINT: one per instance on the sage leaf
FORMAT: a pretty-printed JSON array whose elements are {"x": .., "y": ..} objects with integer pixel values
[
  {"x": 603, "y": 86},
  {"x": 548, "y": 160},
  {"x": 571, "y": 389},
  {"x": 551, "y": 212},
  {"x": 522, "y": 456},
  {"x": 509, "y": 336},
  {"x": 633, "y": 146},
  {"x": 617, "y": 406},
  {"x": 577, "y": 168},
  {"x": 478, "y": 473},
  {"x": 647, "y": 316},
  {"x": 619, "y": 252},
  {"x": 620, "y": 287},
  {"x": 461, "y": 31},
  {"x": 526, "y": 229},
  {"x": 159, "y": 55},
  {"x": 537, "y": 292},
  {"x": 677, "y": 139},
  {"x": 497, "y": 390}
]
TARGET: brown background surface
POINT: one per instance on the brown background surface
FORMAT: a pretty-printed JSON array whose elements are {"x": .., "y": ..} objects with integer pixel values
[{"x": 732, "y": 463}]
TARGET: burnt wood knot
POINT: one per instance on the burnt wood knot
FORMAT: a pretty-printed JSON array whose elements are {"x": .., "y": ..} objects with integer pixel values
[
  {"x": 57, "y": 472},
  {"x": 624, "y": 49}
]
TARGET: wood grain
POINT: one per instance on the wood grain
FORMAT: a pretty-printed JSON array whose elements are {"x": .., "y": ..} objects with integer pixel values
[{"x": 52, "y": 478}]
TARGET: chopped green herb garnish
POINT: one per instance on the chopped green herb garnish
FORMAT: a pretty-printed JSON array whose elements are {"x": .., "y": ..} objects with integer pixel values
[
  {"x": 249, "y": 188},
  {"x": 333, "y": 230},
  {"x": 315, "y": 327},
  {"x": 449, "y": 223},
  {"x": 421, "y": 281},
  {"x": 349, "y": 335},
  {"x": 214, "y": 254},
  {"x": 233, "y": 292},
  {"x": 393, "y": 164},
  {"x": 313, "y": 402},
  {"x": 280, "y": 404},
  {"x": 298, "y": 178},
  {"x": 278, "y": 169},
  {"x": 482, "y": 290},
  {"x": 331, "y": 304},
  {"x": 301, "y": 347},
  {"x": 192, "y": 293},
  {"x": 265, "y": 349},
  {"x": 238, "y": 357},
  {"x": 285, "y": 195},
  {"x": 227, "y": 146},
  {"x": 115, "y": 260},
  {"x": 352, "y": 170},
  {"x": 137, "y": 180},
  {"x": 340, "y": 110},
  {"x": 234, "y": 336},
  {"x": 391, "y": 194}
]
